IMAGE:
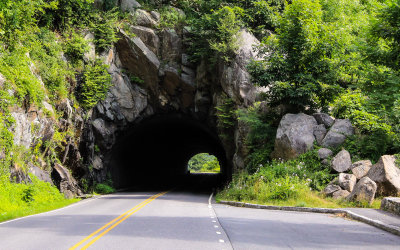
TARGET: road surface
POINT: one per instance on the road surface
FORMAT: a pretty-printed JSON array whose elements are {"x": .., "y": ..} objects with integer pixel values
[{"x": 185, "y": 220}]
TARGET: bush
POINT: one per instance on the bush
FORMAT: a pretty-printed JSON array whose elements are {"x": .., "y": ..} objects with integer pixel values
[
  {"x": 75, "y": 47},
  {"x": 104, "y": 27},
  {"x": 95, "y": 84},
  {"x": 103, "y": 188}
]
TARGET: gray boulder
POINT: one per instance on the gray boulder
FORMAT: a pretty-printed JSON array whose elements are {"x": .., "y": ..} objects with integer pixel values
[
  {"x": 324, "y": 153},
  {"x": 333, "y": 140},
  {"x": 364, "y": 191},
  {"x": 336, "y": 136},
  {"x": 324, "y": 119},
  {"x": 343, "y": 126},
  {"x": 386, "y": 175},
  {"x": 361, "y": 168},
  {"x": 331, "y": 189},
  {"x": 319, "y": 133},
  {"x": 129, "y": 5},
  {"x": 341, "y": 194},
  {"x": 148, "y": 37},
  {"x": 342, "y": 161},
  {"x": 347, "y": 181},
  {"x": 295, "y": 136},
  {"x": 65, "y": 182}
]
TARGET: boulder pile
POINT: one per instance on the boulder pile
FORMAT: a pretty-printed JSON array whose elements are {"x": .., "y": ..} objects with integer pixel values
[{"x": 359, "y": 181}]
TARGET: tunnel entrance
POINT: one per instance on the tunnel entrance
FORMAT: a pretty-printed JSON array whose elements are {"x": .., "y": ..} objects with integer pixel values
[{"x": 156, "y": 153}]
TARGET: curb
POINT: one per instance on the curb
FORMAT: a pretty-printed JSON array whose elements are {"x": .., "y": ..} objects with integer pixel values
[{"x": 349, "y": 214}]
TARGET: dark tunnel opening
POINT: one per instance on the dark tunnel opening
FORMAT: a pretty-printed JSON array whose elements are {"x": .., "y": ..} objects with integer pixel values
[{"x": 155, "y": 153}]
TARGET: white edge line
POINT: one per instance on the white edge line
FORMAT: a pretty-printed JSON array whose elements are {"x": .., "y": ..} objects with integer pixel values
[{"x": 55, "y": 210}]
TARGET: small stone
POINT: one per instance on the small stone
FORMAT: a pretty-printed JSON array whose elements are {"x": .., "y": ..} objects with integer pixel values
[
  {"x": 361, "y": 168},
  {"x": 324, "y": 153},
  {"x": 347, "y": 181},
  {"x": 342, "y": 161}
]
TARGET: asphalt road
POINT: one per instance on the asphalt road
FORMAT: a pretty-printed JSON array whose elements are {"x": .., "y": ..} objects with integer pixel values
[{"x": 185, "y": 220}]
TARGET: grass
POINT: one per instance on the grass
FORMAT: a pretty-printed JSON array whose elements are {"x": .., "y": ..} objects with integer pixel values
[
  {"x": 304, "y": 199},
  {"x": 17, "y": 200}
]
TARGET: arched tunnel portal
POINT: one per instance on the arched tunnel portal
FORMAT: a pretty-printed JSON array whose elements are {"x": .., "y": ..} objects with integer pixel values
[{"x": 156, "y": 152}]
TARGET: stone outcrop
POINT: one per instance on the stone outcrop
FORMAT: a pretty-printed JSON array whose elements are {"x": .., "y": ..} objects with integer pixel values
[
  {"x": 40, "y": 174},
  {"x": 361, "y": 168},
  {"x": 364, "y": 191},
  {"x": 386, "y": 175},
  {"x": 295, "y": 136},
  {"x": 341, "y": 162},
  {"x": 129, "y": 5}
]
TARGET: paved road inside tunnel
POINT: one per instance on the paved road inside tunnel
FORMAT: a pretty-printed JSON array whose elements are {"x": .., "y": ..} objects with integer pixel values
[{"x": 184, "y": 220}]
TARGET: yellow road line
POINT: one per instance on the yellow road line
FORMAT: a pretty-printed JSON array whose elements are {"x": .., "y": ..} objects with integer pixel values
[{"x": 115, "y": 222}]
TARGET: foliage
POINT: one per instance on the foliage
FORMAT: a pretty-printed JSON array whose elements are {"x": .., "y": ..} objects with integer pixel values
[
  {"x": 15, "y": 66},
  {"x": 226, "y": 117},
  {"x": 95, "y": 84},
  {"x": 261, "y": 136},
  {"x": 103, "y": 188},
  {"x": 204, "y": 163},
  {"x": 296, "y": 63},
  {"x": 104, "y": 28},
  {"x": 171, "y": 18},
  {"x": 75, "y": 47},
  {"x": 215, "y": 34}
]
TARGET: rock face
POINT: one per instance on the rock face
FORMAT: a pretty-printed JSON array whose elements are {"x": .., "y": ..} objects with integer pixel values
[
  {"x": 386, "y": 175},
  {"x": 324, "y": 153},
  {"x": 65, "y": 182},
  {"x": 338, "y": 133},
  {"x": 361, "y": 168},
  {"x": 364, "y": 191},
  {"x": 295, "y": 136},
  {"x": 148, "y": 37},
  {"x": 347, "y": 181},
  {"x": 341, "y": 162}
]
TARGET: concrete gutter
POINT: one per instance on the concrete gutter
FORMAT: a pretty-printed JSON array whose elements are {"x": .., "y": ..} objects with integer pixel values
[{"x": 349, "y": 214}]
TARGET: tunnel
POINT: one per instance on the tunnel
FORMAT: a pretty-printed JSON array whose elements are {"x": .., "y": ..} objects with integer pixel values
[{"x": 156, "y": 151}]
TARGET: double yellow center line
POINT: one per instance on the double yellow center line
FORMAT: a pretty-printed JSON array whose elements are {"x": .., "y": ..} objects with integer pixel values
[{"x": 95, "y": 236}]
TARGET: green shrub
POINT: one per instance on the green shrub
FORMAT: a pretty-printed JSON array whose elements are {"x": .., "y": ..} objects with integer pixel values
[
  {"x": 103, "y": 188},
  {"x": 95, "y": 84},
  {"x": 171, "y": 18},
  {"x": 104, "y": 27},
  {"x": 75, "y": 47}
]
